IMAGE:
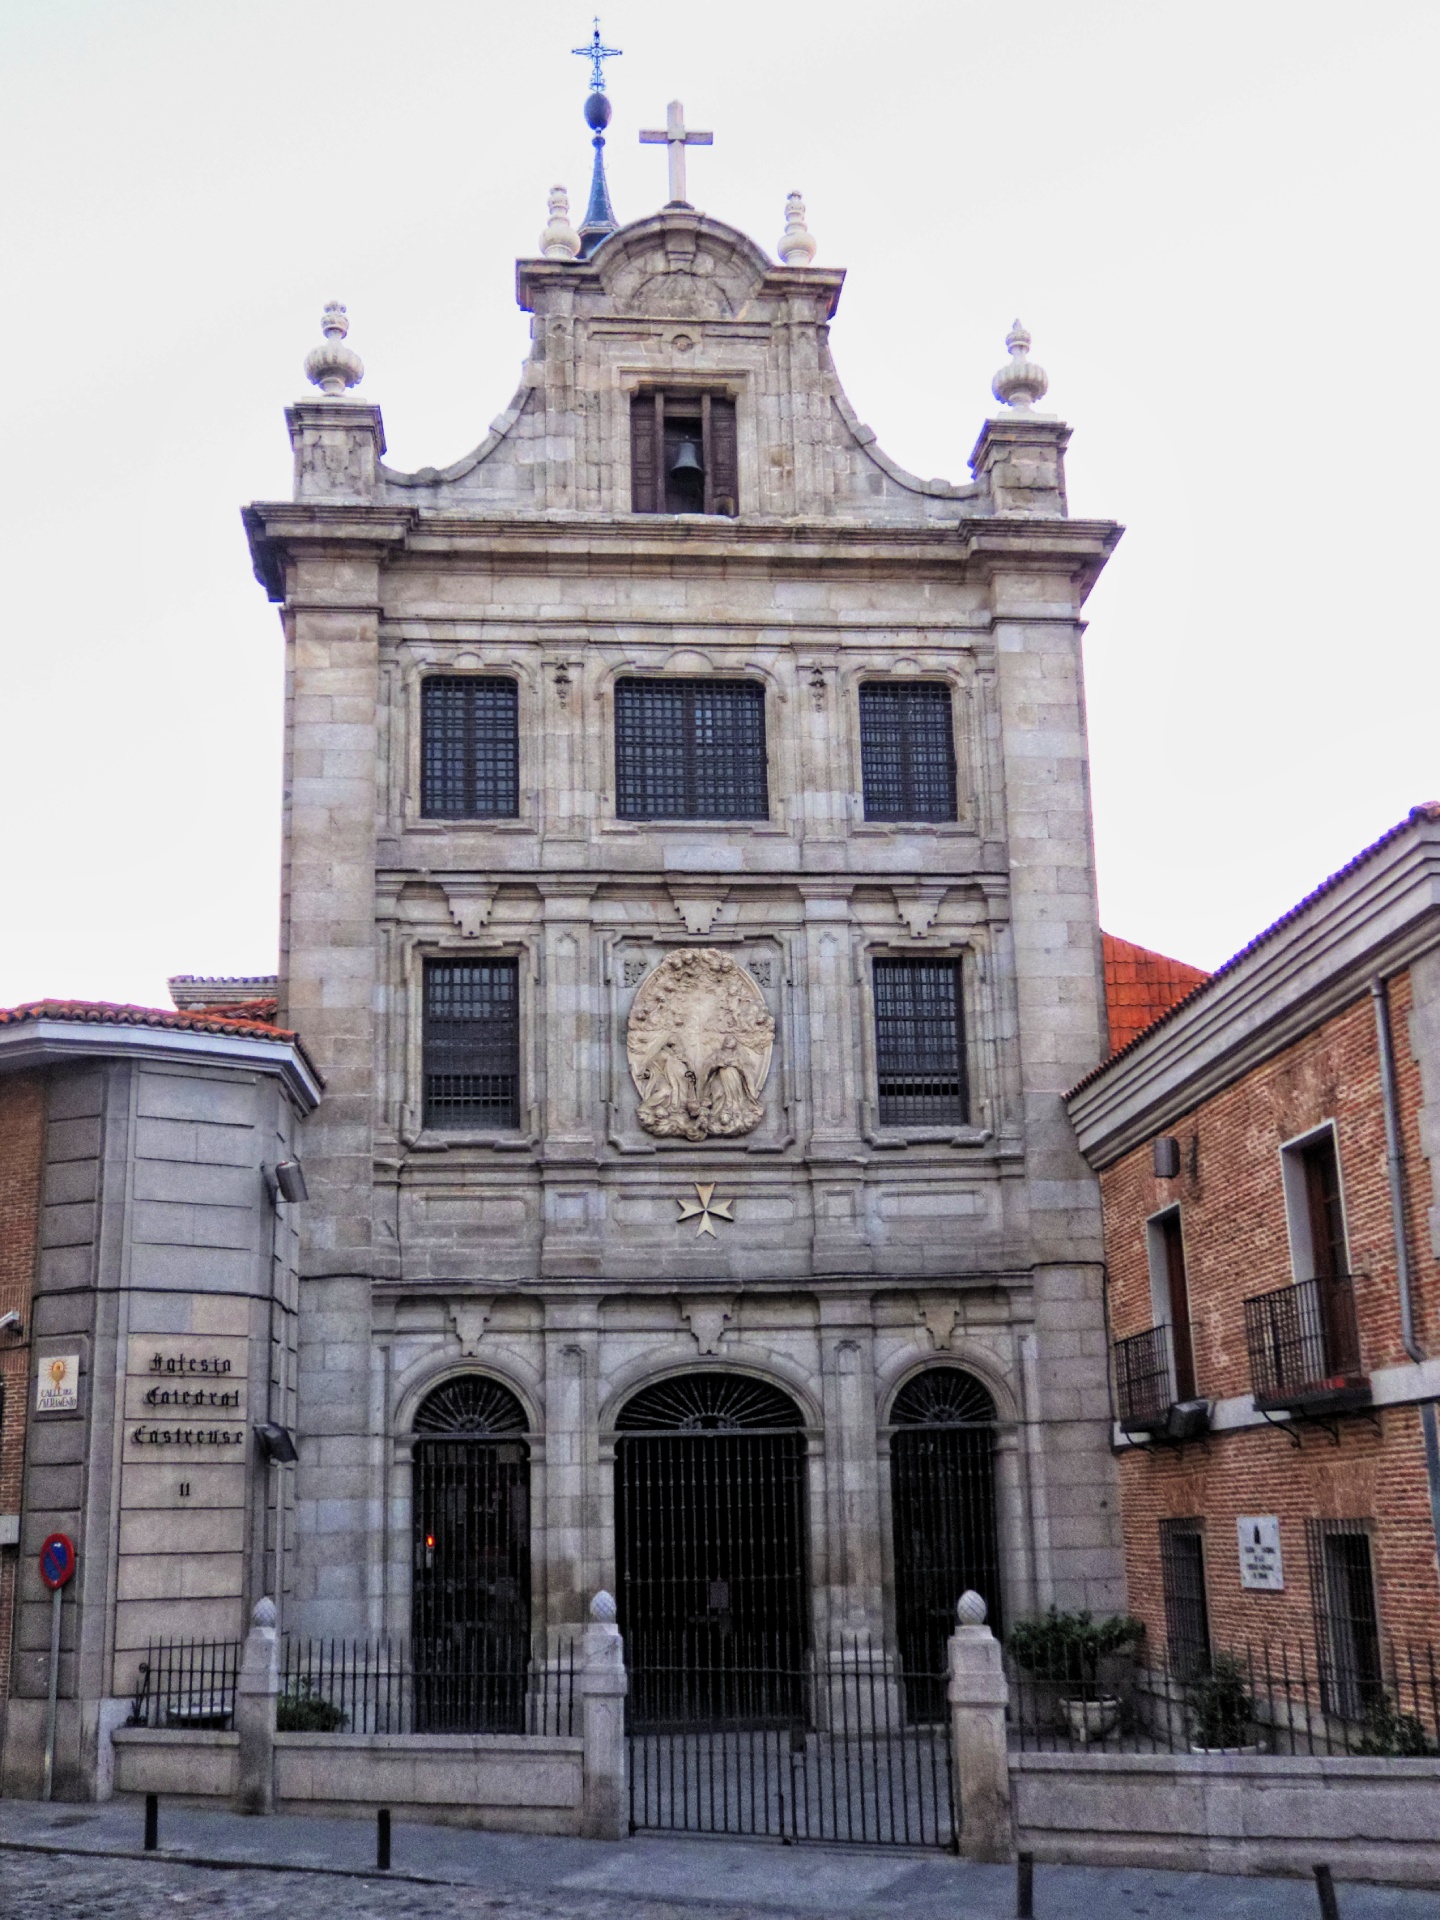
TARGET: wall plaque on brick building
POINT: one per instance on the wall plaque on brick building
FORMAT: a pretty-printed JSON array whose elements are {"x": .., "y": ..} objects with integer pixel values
[{"x": 1260, "y": 1564}]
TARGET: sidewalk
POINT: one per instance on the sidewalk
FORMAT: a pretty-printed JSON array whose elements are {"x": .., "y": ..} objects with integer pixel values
[{"x": 759, "y": 1877}]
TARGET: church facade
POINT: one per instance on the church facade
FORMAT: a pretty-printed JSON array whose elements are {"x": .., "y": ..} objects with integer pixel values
[{"x": 689, "y": 903}]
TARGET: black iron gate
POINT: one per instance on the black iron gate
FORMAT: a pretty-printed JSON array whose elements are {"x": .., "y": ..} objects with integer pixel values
[
  {"x": 470, "y": 1632},
  {"x": 737, "y": 1723},
  {"x": 942, "y": 1488}
]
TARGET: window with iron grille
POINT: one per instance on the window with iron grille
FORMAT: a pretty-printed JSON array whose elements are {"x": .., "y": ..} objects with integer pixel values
[
  {"x": 469, "y": 747},
  {"x": 1182, "y": 1577},
  {"x": 472, "y": 1043},
  {"x": 684, "y": 454},
  {"x": 690, "y": 750},
  {"x": 920, "y": 1043},
  {"x": 907, "y": 750},
  {"x": 1347, "y": 1627}
]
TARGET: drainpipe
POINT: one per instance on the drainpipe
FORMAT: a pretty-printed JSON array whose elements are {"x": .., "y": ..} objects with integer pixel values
[{"x": 1395, "y": 1167}]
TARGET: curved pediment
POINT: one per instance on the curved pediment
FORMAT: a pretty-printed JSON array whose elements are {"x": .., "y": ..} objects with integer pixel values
[{"x": 681, "y": 266}]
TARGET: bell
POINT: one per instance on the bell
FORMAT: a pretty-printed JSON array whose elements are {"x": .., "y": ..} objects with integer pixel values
[{"x": 687, "y": 461}]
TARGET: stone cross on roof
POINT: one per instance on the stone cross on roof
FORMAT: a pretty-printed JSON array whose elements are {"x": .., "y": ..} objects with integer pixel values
[{"x": 676, "y": 136}]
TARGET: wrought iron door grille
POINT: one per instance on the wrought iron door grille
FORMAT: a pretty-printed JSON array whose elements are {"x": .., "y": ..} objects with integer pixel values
[
  {"x": 710, "y": 1545},
  {"x": 690, "y": 750},
  {"x": 469, "y": 747},
  {"x": 919, "y": 1043},
  {"x": 472, "y": 1043},
  {"x": 820, "y": 1745},
  {"x": 470, "y": 1634},
  {"x": 1187, "y": 1617},
  {"x": 1347, "y": 1627},
  {"x": 907, "y": 750},
  {"x": 942, "y": 1499}
]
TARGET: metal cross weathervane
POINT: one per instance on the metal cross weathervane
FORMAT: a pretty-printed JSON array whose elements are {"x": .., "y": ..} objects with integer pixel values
[
  {"x": 597, "y": 55},
  {"x": 676, "y": 137},
  {"x": 706, "y": 1210}
]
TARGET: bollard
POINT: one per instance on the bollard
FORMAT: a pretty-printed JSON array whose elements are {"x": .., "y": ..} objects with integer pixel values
[
  {"x": 1025, "y": 1886},
  {"x": 382, "y": 1840},
  {"x": 1325, "y": 1893},
  {"x": 152, "y": 1822}
]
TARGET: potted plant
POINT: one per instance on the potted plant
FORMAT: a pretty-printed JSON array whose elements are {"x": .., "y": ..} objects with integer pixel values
[
  {"x": 1391, "y": 1734},
  {"x": 300, "y": 1709},
  {"x": 1064, "y": 1650},
  {"x": 1222, "y": 1709}
]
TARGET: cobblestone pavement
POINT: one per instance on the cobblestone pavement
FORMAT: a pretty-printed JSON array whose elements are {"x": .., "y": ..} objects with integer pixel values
[{"x": 72, "y": 1863}]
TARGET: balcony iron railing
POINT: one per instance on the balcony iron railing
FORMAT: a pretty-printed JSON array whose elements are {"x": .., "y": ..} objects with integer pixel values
[
  {"x": 1304, "y": 1346},
  {"x": 1145, "y": 1393}
]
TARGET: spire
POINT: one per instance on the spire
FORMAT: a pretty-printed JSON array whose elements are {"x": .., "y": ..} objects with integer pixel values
[{"x": 599, "y": 215}]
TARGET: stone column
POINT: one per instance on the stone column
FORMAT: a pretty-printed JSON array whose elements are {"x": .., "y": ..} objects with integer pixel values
[
  {"x": 256, "y": 1697},
  {"x": 605, "y": 1811},
  {"x": 978, "y": 1695}
]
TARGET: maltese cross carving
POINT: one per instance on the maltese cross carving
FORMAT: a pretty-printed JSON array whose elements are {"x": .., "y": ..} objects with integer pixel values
[{"x": 706, "y": 1209}]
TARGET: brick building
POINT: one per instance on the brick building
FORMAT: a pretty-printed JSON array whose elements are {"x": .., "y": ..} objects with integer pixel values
[{"x": 1266, "y": 1157}]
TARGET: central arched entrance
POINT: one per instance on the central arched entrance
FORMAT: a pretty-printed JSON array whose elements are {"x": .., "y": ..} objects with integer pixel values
[
  {"x": 710, "y": 1550},
  {"x": 942, "y": 1503},
  {"x": 470, "y": 1608}
]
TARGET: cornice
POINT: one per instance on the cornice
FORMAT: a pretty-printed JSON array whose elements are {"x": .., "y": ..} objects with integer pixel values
[
  {"x": 50, "y": 1043},
  {"x": 1375, "y": 922}
]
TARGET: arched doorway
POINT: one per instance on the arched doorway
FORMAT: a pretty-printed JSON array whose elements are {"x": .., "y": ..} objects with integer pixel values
[
  {"x": 942, "y": 1494},
  {"x": 470, "y": 1610},
  {"x": 710, "y": 1550}
]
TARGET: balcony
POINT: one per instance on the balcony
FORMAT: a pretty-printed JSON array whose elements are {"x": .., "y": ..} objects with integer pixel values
[
  {"x": 1305, "y": 1349},
  {"x": 1145, "y": 1390}
]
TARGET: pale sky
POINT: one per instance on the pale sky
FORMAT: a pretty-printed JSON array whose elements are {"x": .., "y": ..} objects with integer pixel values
[{"x": 1218, "y": 221}]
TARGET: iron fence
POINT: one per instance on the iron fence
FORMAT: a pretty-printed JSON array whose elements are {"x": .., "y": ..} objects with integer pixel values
[
  {"x": 186, "y": 1683},
  {"x": 390, "y": 1684},
  {"x": 1144, "y": 1379},
  {"x": 1304, "y": 1343},
  {"x": 1271, "y": 1697},
  {"x": 809, "y": 1744}
]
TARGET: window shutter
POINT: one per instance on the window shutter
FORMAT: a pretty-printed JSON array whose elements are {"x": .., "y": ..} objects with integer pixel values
[
  {"x": 723, "y": 458},
  {"x": 643, "y": 473}
]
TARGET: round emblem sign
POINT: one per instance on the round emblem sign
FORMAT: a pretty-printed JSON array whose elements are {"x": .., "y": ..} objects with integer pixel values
[{"x": 57, "y": 1560}]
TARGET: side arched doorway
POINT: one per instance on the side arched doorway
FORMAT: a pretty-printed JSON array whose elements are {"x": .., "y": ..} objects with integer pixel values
[
  {"x": 470, "y": 1606},
  {"x": 942, "y": 1504},
  {"x": 710, "y": 1550}
]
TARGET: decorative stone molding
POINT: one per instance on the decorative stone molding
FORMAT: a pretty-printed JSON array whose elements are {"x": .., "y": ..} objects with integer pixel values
[
  {"x": 796, "y": 246},
  {"x": 471, "y": 904},
  {"x": 469, "y": 1319},
  {"x": 559, "y": 241},
  {"x": 697, "y": 910},
  {"x": 939, "y": 1318},
  {"x": 918, "y": 908},
  {"x": 707, "y": 1320},
  {"x": 699, "y": 1044},
  {"x": 1020, "y": 382},
  {"x": 332, "y": 366}
]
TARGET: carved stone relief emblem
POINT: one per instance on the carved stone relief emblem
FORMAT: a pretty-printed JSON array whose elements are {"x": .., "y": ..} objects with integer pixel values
[{"x": 699, "y": 1044}]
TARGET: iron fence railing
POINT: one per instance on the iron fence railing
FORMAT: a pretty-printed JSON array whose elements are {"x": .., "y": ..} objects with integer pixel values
[
  {"x": 186, "y": 1683},
  {"x": 1144, "y": 1379},
  {"x": 1304, "y": 1343},
  {"x": 1270, "y": 1697},
  {"x": 391, "y": 1684}
]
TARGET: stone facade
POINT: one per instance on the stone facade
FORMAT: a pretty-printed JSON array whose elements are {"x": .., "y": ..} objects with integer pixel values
[{"x": 552, "y": 1255}]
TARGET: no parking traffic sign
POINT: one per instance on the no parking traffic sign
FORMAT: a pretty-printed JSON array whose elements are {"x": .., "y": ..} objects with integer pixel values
[{"x": 57, "y": 1560}]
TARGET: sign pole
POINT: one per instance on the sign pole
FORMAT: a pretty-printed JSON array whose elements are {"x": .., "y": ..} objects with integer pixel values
[
  {"x": 57, "y": 1565},
  {"x": 52, "y": 1706}
]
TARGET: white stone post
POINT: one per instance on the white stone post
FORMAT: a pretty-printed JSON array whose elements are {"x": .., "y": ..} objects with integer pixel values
[
  {"x": 978, "y": 1695},
  {"x": 256, "y": 1696},
  {"x": 605, "y": 1813}
]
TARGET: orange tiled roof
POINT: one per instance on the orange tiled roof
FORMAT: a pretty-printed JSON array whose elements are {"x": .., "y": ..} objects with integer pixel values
[
  {"x": 1140, "y": 986},
  {"x": 106, "y": 1013}
]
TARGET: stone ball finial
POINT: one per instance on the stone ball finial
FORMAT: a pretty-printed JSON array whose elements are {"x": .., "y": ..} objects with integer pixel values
[
  {"x": 603, "y": 1607},
  {"x": 262, "y": 1614},
  {"x": 332, "y": 366},
  {"x": 970, "y": 1609},
  {"x": 796, "y": 246},
  {"x": 1020, "y": 383},
  {"x": 560, "y": 241}
]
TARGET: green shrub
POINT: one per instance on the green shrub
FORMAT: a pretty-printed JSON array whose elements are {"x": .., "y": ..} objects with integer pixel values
[
  {"x": 1392, "y": 1735},
  {"x": 1221, "y": 1704},
  {"x": 1067, "y": 1648},
  {"x": 301, "y": 1710}
]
